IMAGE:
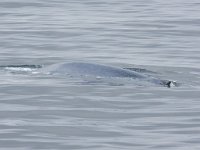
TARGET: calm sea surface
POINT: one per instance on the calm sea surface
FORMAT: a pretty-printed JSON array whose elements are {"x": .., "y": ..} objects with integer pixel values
[{"x": 39, "y": 111}]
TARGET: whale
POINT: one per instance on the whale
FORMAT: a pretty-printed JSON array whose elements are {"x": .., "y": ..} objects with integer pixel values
[
  {"x": 87, "y": 69},
  {"x": 100, "y": 70}
]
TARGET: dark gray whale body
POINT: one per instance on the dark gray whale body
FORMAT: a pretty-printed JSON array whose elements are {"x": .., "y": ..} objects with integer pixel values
[{"x": 97, "y": 70}]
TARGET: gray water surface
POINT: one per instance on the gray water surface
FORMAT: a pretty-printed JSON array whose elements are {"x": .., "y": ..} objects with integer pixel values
[{"x": 41, "y": 111}]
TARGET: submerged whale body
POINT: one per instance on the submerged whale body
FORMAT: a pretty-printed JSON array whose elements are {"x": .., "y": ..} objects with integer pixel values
[{"x": 97, "y": 70}]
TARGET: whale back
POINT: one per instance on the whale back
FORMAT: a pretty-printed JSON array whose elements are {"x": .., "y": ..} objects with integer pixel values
[
  {"x": 98, "y": 70},
  {"x": 89, "y": 69}
]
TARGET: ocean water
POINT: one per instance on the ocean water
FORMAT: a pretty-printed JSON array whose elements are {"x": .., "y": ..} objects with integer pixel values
[{"x": 42, "y": 111}]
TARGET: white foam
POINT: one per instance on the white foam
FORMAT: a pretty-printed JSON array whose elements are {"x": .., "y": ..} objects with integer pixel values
[{"x": 18, "y": 69}]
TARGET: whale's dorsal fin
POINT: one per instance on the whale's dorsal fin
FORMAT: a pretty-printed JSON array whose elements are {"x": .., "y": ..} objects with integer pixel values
[{"x": 171, "y": 84}]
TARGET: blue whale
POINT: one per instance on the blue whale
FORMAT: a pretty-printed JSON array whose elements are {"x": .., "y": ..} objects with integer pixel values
[{"x": 98, "y": 70}]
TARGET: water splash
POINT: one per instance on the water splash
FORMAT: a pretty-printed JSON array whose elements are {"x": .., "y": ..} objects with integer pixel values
[{"x": 20, "y": 68}]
